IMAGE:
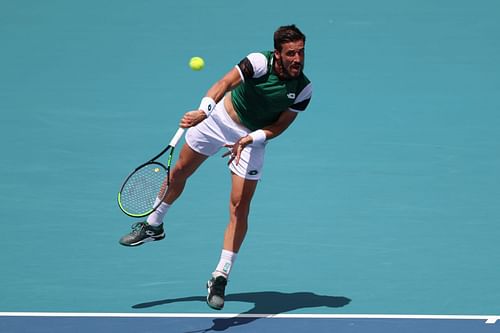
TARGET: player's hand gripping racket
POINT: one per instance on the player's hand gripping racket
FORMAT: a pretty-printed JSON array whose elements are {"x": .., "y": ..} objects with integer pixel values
[{"x": 147, "y": 182}]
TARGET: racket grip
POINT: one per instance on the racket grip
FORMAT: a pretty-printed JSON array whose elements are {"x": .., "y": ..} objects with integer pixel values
[{"x": 176, "y": 137}]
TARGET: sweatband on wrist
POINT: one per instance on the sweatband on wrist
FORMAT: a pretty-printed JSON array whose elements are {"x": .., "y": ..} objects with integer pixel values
[
  {"x": 258, "y": 136},
  {"x": 207, "y": 105}
]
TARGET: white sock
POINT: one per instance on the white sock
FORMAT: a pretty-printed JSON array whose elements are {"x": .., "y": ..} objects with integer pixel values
[
  {"x": 156, "y": 218},
  {"x": 226, "y": 261}
]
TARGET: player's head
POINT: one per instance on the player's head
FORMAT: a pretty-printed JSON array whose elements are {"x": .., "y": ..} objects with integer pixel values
[
  {"x": 285, "y": 34},
  {"x": 289, "y": 44}
]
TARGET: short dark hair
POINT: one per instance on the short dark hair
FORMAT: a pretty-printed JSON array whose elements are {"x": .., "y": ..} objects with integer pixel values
[{"x": 286, "y": 34}]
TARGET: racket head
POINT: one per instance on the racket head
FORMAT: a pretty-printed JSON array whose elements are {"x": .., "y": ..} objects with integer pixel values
[{"x": 140, "y": 189}]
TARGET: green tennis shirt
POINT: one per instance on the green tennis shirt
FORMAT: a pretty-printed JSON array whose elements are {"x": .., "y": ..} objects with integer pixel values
[{"x": 263, "y": 96}]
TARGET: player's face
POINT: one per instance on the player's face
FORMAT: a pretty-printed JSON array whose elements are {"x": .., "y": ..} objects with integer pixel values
[{"x": 291, "y": 58}]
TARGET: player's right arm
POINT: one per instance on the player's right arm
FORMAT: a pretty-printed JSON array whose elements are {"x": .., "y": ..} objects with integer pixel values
[{"x": 228, "y": 82}]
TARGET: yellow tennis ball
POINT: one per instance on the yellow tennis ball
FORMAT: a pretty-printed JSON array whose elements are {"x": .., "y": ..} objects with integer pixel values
[{"x": 196, "y": 63}]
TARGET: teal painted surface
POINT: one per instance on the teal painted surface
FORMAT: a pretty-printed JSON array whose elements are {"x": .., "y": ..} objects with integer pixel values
[{"x": 384, "y": 192}]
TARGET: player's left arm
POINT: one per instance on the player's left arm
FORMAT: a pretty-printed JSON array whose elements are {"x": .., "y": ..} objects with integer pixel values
[{"x": 285, "y": 119}]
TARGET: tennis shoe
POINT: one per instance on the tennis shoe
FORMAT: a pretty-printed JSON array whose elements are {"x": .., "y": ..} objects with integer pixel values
[
  {"x": 216, "y": 288},
  {"x": 142, "y": 233}
]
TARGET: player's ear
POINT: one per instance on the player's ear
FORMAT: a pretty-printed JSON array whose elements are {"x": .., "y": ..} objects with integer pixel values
[{"x": 277, "y": 54}]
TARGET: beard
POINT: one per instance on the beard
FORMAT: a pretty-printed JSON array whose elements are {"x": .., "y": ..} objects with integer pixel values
[{"x": 292, "y": 71}]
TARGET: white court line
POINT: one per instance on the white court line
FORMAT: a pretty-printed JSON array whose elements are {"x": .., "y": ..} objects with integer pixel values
[{"x": 489, "y": 319}]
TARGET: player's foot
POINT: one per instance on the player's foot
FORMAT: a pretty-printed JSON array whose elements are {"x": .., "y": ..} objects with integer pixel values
[
  {"x": 141, "y": 233},
  {"x": 216, "y": 287}
]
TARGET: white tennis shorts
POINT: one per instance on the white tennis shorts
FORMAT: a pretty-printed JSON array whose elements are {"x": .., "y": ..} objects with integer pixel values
[{"x": 209, "y": 136}]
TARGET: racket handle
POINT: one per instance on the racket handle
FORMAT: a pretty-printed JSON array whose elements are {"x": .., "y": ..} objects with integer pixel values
[{"x": 176, "y": 137}]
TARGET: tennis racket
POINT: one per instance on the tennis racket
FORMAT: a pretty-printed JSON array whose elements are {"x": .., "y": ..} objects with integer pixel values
[{"x": 147, "y": 182}]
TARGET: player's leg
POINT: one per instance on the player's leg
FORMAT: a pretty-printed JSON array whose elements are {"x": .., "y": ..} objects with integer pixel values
[
  {"x": 242, "y": 191},
  {"x": 245, "y": 177}
]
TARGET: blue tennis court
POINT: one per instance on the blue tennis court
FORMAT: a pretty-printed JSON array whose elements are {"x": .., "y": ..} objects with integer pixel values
[
  {"x": 119, "y": 322},
  {"x": 378, "y": 210}
]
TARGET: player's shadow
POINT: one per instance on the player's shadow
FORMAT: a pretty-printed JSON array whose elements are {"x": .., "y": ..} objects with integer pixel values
[{"x": 266, "y": 302}]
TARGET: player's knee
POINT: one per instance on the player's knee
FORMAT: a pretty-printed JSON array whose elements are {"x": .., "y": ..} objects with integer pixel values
[
  {"x": 239, "y": 210},
  {"x": 179, "y": 174}
]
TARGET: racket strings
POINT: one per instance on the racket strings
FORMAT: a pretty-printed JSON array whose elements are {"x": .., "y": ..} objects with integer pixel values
[{"x": 142, "y": 188}]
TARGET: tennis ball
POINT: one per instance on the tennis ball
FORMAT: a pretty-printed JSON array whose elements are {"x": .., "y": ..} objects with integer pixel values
[{"x": 196, "y": 63}]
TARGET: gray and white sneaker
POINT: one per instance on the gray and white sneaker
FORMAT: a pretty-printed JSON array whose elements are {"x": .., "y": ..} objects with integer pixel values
[
  {"x": 142, "y": 233},
  {"x": 216, "y": 287}
]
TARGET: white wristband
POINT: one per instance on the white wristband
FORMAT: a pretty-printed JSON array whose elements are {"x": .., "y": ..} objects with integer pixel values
[
  {"x": 207, "y": 105},
  {"x": 258, "y": 136}
]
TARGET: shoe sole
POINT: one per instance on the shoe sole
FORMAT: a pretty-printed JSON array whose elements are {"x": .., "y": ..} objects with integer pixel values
[
  {"x": 213, "y": 307},
  {"x": 145, "y": 240}
]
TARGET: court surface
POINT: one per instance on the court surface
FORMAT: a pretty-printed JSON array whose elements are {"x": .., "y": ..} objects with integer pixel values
[{"x": 378, "y": 210}]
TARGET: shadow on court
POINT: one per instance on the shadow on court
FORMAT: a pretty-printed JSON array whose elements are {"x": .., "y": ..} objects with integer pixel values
[{"x": 266, "y": 302}]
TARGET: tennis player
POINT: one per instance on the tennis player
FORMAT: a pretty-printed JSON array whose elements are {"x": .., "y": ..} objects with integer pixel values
[{"x": 253, "y": 103}]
